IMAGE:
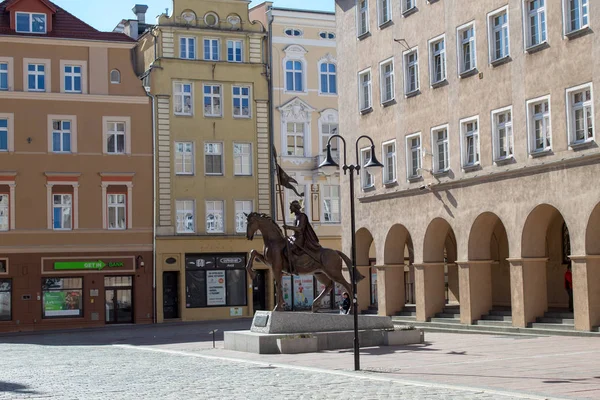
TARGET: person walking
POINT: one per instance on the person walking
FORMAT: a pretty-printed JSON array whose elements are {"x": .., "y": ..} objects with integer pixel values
[
  {"x": 345, "y": 307},
  {"x": 569, "y": 286}
]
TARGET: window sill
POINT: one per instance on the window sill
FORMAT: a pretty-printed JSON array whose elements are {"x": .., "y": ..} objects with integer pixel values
[
  {"x": 388, "y": 103},
  {"x": 328, "y": 94},
  {"x": 541, "y": 153},
  {"x": 501, "y": 61},
  {"x": 439, "y": 84},
  {"x": 471, "y": 168},
  {"x": 213, "y": 174},
  {"x": 386, "y": 24},
  {"x": 410, "y": 12},
  {"x": 213, "y": 116},
  {"x": 536, "y": 48},
  {"x": 366, "y": 111},
  {"x": 576, "y": 146},
  {"x": 413, "y": 179},
  {"x": 185, "y": 233},
  {"x": 505, "y": 161},
  {"x": 182, "y": 115},
  {"x": 364, "y": 35},
  {"x": 578, "y": 33},
  {"x": 185, "y": 175},
  {"x": 238, "y": 117},
  {"x": 390, "y": 184},
  {"x": 368, "y": 188},
  {"x": 439, "y": 174},
  {"x": 469, "y": 73},
  {"x": 242, "y": 176},
  {"x": 412, "y": 94}
]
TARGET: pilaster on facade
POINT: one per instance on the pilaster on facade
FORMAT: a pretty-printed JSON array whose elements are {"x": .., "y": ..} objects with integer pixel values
[
  {"x": 165, "y": 224},
  {"x": 263, "y": 156},
  {"x": 255, "y": 50},
  {"x": 62, "y": 179},
  {"x": 8, "y": 178},
  {"x": 168, "y": 43}
]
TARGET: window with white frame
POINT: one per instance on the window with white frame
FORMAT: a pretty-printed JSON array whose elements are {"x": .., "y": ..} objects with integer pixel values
[
  {"x": 328, "y": 78},
  {"x": 187, "y": 48},
  {"x": 437, "y": 59},
  {"x": 362, "y": 25},
  {"x": 440, "y": 147},
  {"x": 389, "y": 161},
  {"x": 535, "y": 22},
  {"x": 62, "y": 211},
  {"x": 367, "y": 178},
  {"x": 117, "y": 211},
  {"x": 539, "y": 126},
  {"x": 294, "y": 76},
  {"x": 4, "y": 134},
  {"x": 408, "y": 5},
  {"x": 387, "y": 81},
  {"x": 4, "y": 212},
  {"x": 185, "y": 214},
  {"x": 214, "y": 217},
  {"x": 212, "y": 100},
  {"x": 115, "y": 138},
  {"x": 411, "y": 71},
  {"x": 576, "y": 14},
  {"x": 469, "y": 131},
  {"x": 502, "y": 132},
  {"x": 242, "y": 208},
  {"x": 331, "y": 203},
  {"x": 211, "y": 49},
  {"x": 413, "y": 156},
  {"x": 499, "y": 42},
  {"x": 241, "y": 101},
  {"x": 235, "y": 50},
  {"x": 213, "y": 158},
  {"x": 242, "y": 159},
  {"x": 61, "y": 136},
  {"x": 184, "y": 158},
  {"x": 467, "y": 60},
  {"x": 182, "y": 98},
  {"x": 580, "y": 109},
  {"x": 384, "y": 11},
  {"x": 329, "y": 129},
  {"x": 364, "y": 81},
  {"x": 73, "y": 79},
  {"x": 36, "y": 77},
  {"x": 295, "y": 136},
  {"x": 3, "y": 76},
  {"x": 30, "y": 22}
]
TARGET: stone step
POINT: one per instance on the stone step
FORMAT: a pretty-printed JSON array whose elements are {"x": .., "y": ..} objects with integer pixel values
[
  {"x": 484, "y": 322},
  {"x": 501, "y": 313},
  {"x": 561, "y": 327},
  {"x": 446, "y": 320},
  {"x": 404, "y": 318},
  {"x": 369, "y": 312},
  {"x": 547, "y": 320},
  {"x": 559, "y": 314},
  {"x": 497, "y": 318},
  {"x": 446, "y": 315},
  {"x": 410, "y": 308},
  {"x": 406, "y": 314}
]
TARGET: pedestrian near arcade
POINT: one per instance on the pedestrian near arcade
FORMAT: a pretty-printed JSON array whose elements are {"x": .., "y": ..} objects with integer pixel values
[
  {"x": 569, "y": 286},
  {"x": 345, "y": 307}
]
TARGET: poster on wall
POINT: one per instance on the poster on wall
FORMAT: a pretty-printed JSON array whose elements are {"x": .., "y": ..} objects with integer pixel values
[
  {"x": 303, "y": 292},
  {"x": 339, "y": 290},
  {"x": 326, "y": 301},
  {"x": 62, "y": 304},
  {"x": 215, "y": 287},
  {"x": 287, "y": 292}
]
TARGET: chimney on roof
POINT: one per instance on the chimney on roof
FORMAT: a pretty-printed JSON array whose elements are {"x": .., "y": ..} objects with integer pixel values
[{"x": 140, "y": 11}]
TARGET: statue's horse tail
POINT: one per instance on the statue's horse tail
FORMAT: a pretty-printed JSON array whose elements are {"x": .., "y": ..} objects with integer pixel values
[{"x": 348, "y": 262}]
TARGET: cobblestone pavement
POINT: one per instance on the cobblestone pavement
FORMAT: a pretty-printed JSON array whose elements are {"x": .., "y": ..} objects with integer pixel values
[{"x": 123, "y": 371}]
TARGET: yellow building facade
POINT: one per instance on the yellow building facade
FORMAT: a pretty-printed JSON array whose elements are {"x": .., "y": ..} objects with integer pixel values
[{"x": 205, "y": 69}]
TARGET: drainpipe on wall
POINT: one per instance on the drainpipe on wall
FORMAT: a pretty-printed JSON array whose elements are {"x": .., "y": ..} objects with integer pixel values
[
  {"x": 271, "y": 108},
  {"x": 154, "y": 186}
]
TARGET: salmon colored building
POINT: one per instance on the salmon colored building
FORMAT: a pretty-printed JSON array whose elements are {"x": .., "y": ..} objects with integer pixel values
[{"x": 76, "y": 174}]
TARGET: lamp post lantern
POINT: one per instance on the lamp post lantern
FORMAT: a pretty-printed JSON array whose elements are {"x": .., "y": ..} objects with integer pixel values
[{"x": 373, "y": 162}]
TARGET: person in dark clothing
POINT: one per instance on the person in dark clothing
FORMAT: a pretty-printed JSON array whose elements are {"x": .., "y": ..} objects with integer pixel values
[
  {"x": 569, "y": 286},
  {"x": 345, "y": 307}
]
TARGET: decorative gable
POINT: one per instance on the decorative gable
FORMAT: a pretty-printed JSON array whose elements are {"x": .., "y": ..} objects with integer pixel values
[
  {"x": 31, "y": 16},
  {"x": 296, "y": 110}
]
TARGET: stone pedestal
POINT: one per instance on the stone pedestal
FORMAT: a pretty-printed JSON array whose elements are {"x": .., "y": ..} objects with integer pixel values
[{"x": 305, "y": 322}]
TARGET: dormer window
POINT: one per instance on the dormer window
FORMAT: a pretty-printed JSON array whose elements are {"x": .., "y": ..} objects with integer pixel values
[{"x": 31, "y": 22}]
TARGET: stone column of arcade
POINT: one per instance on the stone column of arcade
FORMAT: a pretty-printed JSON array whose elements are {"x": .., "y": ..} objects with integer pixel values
[
  {"x": 390, "y": 289},
  {"x": 475, "y": 289},
  {"x": 528, "y": 290},
  {"x": 586, "y": 291},
  {"x": 429, "y": 289}
]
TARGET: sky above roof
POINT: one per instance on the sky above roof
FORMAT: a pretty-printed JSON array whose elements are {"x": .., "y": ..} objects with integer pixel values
[{"x": 106, "y": 14}]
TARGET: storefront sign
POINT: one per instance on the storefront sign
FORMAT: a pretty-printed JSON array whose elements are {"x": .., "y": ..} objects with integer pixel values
[
  {"x": 235, "y": 312},
  {"x": 215, "y": 287},
  {"x": 78, "y": 265},
  {"x": 61, "y": 304},
  {"x": 231, "y": 262},
  {"x": 194, "y": 262}
]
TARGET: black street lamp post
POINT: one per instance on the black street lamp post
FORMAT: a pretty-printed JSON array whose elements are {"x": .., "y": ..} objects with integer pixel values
[{"x": 373, "y": 162}]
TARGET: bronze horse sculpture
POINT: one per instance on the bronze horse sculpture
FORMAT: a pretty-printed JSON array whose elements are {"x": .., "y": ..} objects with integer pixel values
[{"x": 325, "y": 266}]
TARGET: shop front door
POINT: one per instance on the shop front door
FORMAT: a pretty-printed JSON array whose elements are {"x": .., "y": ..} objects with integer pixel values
[
  {"x": 260, "y": 290},
  {"x": 170, "y": 295},
  {"x": 118, "y": 299}
]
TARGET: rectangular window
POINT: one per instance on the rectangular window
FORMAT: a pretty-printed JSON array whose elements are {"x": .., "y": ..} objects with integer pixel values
[
  {"x": 115, "y": 138},
  {"x": 466, "y": 48},
  {"x": 214, "y": 217},
  {"x": 73, "y": 78},
  {"x": 364, "y": 79},
  {"x": 36, "y": 77},
  {"x": 234, "y": 51},
  {"x": 185, "y": 214},
  {"x": 367, "y": 179},
  {"x": 576, "y": 15},
  {"x": 242, "y": 159},
  {"x": 30, "y": 22},
  {"x": 117, "y": 214},
  {"x": 187, "y": 48},
  {"x": 408, "y": 5},
  {"x": 411, "y": 72},
  {"x": 539, "y": 127},
  {"x": 3, "y": 76},
  {"x": 384, "y": 11},
  {"x": 5, "y": 299},
  {"x": 4, "y": 212},
  {"x": 295, "y": 139},
  {"x": 328, "y": 77},
  {"x": 499, "y": 42},
  {"x": 440, "y": 147},
  {"x": 294, "y": 76},
  {"x": 213, "y": 158},
  {"x": 331, "y": 203},
  {"x": 212, "y": 100},
  {"x": 535, "y": 22},
  {"x": 182, "y": 98},
  {"x": 413, "y": 156},
  {"x": 363, "y": 17},
  {"x": 437, "y": 60},
  {"x": 184, "y": 158},
  {"x": 241, "y": 101},
  {"x": 328, "y": 130},
  {"x": 211, "y": 49},
  {"x": 469, "y": 129},
  {"x": 61, "y": 136},
  {"x": 389, "y": 162},
  {"x": 62, "y": 297},
  {"x": 502, "y": 133},
  {"x": 62, "y": 206},
  {"x": 242, "y": 208},
  {"x": 3, "y": 134},
  {"x": 387, "y": 81},
  {"x": 580, "y": 114}
]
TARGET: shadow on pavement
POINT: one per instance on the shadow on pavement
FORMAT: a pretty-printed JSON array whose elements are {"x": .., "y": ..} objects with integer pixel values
[
  {"x": 376, "y": 351},
  {"x": 9, "y": 387}
]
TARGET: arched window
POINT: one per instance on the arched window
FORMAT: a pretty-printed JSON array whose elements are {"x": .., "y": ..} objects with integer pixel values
[{"x": 115, "y": 76}]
